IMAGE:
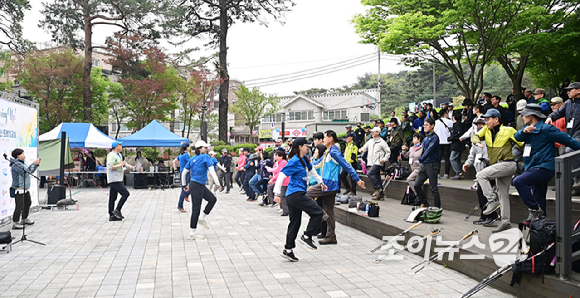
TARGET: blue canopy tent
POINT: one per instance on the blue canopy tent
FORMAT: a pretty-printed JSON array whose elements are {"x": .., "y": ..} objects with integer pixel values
[{"x": 153, "y": 135}]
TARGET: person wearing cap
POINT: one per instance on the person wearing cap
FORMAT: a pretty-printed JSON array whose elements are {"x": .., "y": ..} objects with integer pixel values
[
  {"x": 479, "y": 159},
  {"x": 396, "y": 140},
  {"x": 556, "y": 103},
  {"x": 542, "y": 101},
  {"x": 539, "y": 159},
  {"x": 520, "y": 107},
  {"x": 298, "y": 168},
  {"x": 225, "y": 176},
  {"x": 384, "y": 130},
  {"x": 429, "y": 165},
  {"x": 563, "y": 91},
  {"x": 199, "y": 166},
  {"x": 378, "y": 154},
  {"x": 277, "y": 144},
  {"x": 450, "y": 109},
  {"x": 570, "y": 112},
  {"x": 183, "y": 159},
  {"x": 115, "y": 172},
  {"x": 350, "y": 154},
  {"x": 332, "y": 163},
  {"x": 418, "y": 123},
  {"x": 511, "y": 101},
  {"x": 348, "y": 128},
  {"x": 499, "y": 140},
  {"x": 359, "y": 135}
]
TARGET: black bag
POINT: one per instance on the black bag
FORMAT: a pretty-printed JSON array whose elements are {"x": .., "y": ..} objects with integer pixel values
[
  {"x": 12, "y": 192},
  {"x": 373, "y": 210},
  {"x": 342, "y": 199},
  {"x": 363, "y": 205},
  {"x": 353, "y": 200},
  {"x": 5, "y": 237},
  {"x": 542, "y": 234},
  {"x": 409, "y": 197}
]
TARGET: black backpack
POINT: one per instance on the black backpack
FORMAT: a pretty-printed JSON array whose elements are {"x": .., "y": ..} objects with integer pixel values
[{"x": 542, "y": 234}]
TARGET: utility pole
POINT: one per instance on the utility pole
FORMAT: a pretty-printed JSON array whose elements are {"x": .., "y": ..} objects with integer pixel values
[{"x": 379, "y": 84}]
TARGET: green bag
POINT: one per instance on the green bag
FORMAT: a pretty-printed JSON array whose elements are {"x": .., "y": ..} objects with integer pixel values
[{"x": 431, "y": 215}]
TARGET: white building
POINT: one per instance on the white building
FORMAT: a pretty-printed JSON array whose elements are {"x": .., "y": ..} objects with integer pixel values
[{"x": 306, "y": 114}]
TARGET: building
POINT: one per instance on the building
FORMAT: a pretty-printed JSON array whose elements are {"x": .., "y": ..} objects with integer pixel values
[{"x": 305, "y": 114}]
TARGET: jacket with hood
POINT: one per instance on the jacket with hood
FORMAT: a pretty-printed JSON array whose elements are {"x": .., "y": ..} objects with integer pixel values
[
  {"x": 377, "y": 149},
  {"x": 17, "y": 172},
  {"x": 333, "y": 162}
]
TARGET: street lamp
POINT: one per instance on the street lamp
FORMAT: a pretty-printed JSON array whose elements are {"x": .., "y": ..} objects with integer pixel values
[{"x": 203, "y": 123}]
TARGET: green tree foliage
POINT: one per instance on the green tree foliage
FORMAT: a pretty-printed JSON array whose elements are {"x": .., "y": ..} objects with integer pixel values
[
  {"x": 5, "y": 68},
  {"x": 11, "y": 16},
  {"x": 253, "y": 105},
  {"x": 213, "y": 18},
  {"x": 461, "y": 35},
  {"x": 71, "y": 22}
]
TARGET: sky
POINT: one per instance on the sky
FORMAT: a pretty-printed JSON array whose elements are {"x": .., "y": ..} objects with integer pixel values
[{"x": 315, "y": 34}]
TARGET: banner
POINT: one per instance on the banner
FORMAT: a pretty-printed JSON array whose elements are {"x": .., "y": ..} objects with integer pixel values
[
  {"x": 265, "y": 134},
  {"x": 289, "y": 133},
  {"x": 18, "y": 129}
]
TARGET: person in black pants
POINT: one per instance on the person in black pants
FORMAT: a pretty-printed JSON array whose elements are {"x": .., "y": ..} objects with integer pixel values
[
  {"x": 20, "y": 187},
  {"x": 249, "y": 172},
  {"x": 298, "y": 169},
  {"x": 115, "y": 174},
  {"x": 226, "y": 175},
  {"x": 430, "y": 164}
]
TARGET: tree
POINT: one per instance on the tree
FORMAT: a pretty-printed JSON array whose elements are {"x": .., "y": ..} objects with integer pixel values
[
  {"x": 461, "y": 35},
  {"x": 253, "y": 105},
  {"x": 53, "y": 78},
  {"x": 11, "y": 16},
  {"x": 146, "y": 80},
  {"x": 66, "y": 18},
  {"x": 5, "y": 68},
  {"x": 213, "y": 18}
]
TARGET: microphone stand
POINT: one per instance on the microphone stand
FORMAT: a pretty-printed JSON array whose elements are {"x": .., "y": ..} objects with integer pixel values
[{"x": 24, "y": 171}]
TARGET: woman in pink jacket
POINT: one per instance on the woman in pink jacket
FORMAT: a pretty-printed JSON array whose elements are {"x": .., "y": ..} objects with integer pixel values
[
  {"x": 240, "y": 174},
  {"x": 280, "y": 157}
]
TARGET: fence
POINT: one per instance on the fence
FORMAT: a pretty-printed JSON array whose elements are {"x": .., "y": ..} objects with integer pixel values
[{"x": 564, "y": 228}]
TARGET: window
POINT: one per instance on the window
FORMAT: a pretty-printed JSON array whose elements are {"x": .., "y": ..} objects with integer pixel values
[
  {"x": 300, "y": 115},
  {"x": 95, "y": 63},
  {"x": 216, "y": 104},
  {"x": 332, "y": 115},
  {"x": 273, "y": 118},
  {"x": 365, "y": 117}
]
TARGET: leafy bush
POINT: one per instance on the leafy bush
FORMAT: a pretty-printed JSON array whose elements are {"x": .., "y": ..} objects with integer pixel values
[
  {"x": 218, "y": 149},
  {"x": 218, "y": 143},
  {"x": 100, "y": 152},
  {"x": 168, "y": 151},
  {"x": 251, "y": 146},
  {"x": 151, "y": 154},
  {"x": 269, "y": 150}
]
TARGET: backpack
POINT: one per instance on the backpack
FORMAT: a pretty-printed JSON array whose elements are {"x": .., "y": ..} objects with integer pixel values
[
  {"x": 425, "y": 214},
  {"x": 542, "y": 233},
  {"x": 353, "y": 200}
]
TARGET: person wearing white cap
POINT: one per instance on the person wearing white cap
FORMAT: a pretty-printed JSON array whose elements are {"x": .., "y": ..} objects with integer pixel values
[
  {"x": 213, "y": 184},
  {"x": 199, "y": 165},
  {"x": 378, "y": 153},
  {"x": 115, "y": 169},
  {"x": 520, "y": 107}
]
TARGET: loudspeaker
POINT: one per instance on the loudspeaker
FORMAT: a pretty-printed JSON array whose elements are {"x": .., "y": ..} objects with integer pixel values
[
  {"x": 139, "y": 181},
  {"x": 56, "y": 193}
]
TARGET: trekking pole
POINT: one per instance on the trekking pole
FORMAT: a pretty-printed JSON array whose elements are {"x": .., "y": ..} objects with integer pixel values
[
  {"x": 471, "y": 213},
  {"x": 392, "y": 239},
  {"x": 433, "y": 233},
  {"x": 425, "y": 263}
]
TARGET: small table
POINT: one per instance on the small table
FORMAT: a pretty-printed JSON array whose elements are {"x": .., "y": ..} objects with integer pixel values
[{"x": 85, "y": 174}]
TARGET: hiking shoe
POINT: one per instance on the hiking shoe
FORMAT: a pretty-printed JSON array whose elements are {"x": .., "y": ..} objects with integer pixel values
[
  {"x": 457, "y": 177},
  {"x": 491, "y": 207},
  {"x": 328, "y": 240},
  {"x": 479, "y": 221},
  {"x": 534, "y": 215},
  {"x": 28, "y": 222},
  {"x": 196, "y": 236},
  {"x": 118, "y": 214},
  {"x": 502, "y": 227},
  {"x": 17, "y": 226},
  {"x": 489, "y": 222},
  {"x": 289, "y": 256},
  {"x": 307, "y": 240},
  {"x": 380, "y": 196},
  {"x": 181, "y": 209},
  {"x": 203, "y": 223},
  {"x": 376, "y": 193},
  {"x": 111, "y": 218}
]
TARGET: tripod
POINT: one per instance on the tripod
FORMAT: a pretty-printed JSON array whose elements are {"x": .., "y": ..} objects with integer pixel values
[{"x": 24, "y": 171}]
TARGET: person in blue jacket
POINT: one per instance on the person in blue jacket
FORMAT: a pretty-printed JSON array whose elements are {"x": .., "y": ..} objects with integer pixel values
[
  {"x": 539, "y": 158},
  {"x": 183, "y": 159},
  {"x": 430, "y": 163},
  {"x": 249, "y": 172},
  {"x": 298, "y": 168},
  {"x": 199, "y": 165},
  {"x": 418, "y": 123},
  {"x": 333, "y": 162}
]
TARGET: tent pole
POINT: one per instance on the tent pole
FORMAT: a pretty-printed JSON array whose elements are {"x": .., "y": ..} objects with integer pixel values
[{"x": 62, "y": 151}]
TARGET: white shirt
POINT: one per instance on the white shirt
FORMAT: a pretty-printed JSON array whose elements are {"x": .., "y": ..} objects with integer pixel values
[{"x": 443, "y": 132}]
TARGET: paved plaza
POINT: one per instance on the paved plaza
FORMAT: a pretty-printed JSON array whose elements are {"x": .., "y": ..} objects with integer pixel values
[{"x": 148, "y": 255}]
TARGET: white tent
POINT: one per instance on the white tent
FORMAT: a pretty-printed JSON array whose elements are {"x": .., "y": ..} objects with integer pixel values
[{"x": 80, "y": 135}]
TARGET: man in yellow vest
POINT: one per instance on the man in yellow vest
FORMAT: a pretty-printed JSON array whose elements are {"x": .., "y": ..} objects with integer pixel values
[{"x": 350, "y": 154}]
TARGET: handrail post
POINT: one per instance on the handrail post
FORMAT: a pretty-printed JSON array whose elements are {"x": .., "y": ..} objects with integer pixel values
[{"x": 563, "y": 214}]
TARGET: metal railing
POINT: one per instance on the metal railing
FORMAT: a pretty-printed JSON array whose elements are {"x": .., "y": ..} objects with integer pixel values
[{"x": 564, "y": 225}]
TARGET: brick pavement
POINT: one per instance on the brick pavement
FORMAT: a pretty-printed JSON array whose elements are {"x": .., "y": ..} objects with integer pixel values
[{"x": 148, "y": 255}]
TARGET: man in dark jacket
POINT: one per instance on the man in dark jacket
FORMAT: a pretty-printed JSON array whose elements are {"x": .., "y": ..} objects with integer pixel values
[
  {"x": 430, "y": 163},
  {"x": 396, "y": 140},
  {"x": 225, "y": 175},
  {"x": 495, "y": 100},
  {"x": 487, "y": 104},
  {"x": 468, "y": 114},
  {"x": 359, "y": 135}
]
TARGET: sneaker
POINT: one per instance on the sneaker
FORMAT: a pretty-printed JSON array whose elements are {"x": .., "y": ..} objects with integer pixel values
[
  {"x": 321, "y": 236},
  {"x": 489, "y": 222},
  {"x": 274, "y": 205},
  {"x": 457, "y": 177},
  {"x": 280, "y": 210},
  {"x": 534, "y": 215},
  {"x": 29, "y": 222},
  {"x": 203, "y": 223},
  {"x": 196, "y": 236},
  {"x": 328, "y": 240},
  {"x": 289, "y": 256},
  {"x": 118, "y": 214},
  {"x": 17, "y": 226},
  {"x": 376, "y": 193},
  {"x": 381, "y": 196},
  {"x": 262, "y": 204},
  {"x": 187, "y": 199},
  {"x": 227, "y": 192},
  {"x": 306, "y": 240},
  {"x": 502, "y": 227},
  {"x": 479, "y": 221},
  {"x": 221, "y": 189},
  {"x": 242, "y": 192},
  {"x": 114, "y": 218},
  {"x": 491, "y": 207},
  {"x": 181, "y": 209},
  {"x": 284, "y": 214},
  {"x": 446, "y": 176}
]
